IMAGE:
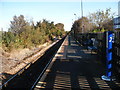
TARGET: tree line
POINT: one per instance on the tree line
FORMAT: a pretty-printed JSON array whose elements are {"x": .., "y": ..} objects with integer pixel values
[
  {"x": 24, "y": 34},
  {"x": 98, "y": 21}
]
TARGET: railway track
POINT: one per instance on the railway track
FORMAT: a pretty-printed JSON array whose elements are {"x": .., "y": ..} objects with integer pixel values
[{"x": 30, "y": 76}]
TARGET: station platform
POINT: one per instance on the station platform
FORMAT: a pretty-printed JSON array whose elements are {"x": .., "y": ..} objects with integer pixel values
[{"x": 74, "y": 67}]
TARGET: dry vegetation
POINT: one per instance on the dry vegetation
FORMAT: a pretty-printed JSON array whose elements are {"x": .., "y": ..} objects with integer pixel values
[
  {"x": 17, "y": 59},
  {"x": 24, "y": 42}
]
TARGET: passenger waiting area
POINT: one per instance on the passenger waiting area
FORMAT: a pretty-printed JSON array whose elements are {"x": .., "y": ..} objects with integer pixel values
[{"x": 75, "y": 67}]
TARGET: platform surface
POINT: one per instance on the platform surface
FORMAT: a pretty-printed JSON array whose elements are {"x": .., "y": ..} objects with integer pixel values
[{"x": 76, "y": 68}]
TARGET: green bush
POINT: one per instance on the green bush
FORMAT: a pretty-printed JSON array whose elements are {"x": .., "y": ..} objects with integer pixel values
[{"x": 31, "y": 36}]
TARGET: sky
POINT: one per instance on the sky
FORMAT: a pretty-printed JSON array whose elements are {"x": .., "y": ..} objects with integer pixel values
[{"x": 58, "y": 11}]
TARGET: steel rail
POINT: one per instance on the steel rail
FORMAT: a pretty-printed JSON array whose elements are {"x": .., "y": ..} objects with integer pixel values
[
  {"x": 41, "y": 73},
  {"x": 15, "y": 75},
  {"x": 25, "y": 67},
  {"x": 44, "y": 70},
  {"x": 21, "y": 70}
]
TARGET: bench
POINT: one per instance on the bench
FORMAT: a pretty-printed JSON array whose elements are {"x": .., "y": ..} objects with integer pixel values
[
  {"x": 92, "y": 48},
  {"x": 93, "y": 45}
]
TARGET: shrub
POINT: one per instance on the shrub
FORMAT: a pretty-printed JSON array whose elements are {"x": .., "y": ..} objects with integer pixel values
[{"x": 30, "y": 35}]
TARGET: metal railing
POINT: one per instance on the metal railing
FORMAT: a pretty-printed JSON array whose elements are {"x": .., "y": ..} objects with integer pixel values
[{"x": 116, "y": 55}]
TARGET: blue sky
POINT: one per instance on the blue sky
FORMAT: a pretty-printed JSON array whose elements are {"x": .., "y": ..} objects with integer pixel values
[{"x": 59, "y": 12}]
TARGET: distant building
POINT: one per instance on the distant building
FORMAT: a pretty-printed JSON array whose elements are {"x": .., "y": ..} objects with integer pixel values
[
  {"x": 117, "y": 23},
  {"x": 117, "y": 20}
]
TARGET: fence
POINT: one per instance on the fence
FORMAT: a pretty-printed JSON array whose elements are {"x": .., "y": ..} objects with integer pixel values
[
  {"x": 101, "y": 48},
  {"x": 116, "y": 55}
]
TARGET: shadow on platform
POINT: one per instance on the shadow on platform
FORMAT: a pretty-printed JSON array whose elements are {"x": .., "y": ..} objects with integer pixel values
[
  {"x": 74, "y": 74},
  {"x": 80, "y": 70}
]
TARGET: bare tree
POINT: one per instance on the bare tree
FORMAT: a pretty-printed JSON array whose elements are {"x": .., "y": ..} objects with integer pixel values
[
  {"x": 100, "y": 18},
  {"x": 18, "y": 24},
  {"x": 82, "y": 23}
]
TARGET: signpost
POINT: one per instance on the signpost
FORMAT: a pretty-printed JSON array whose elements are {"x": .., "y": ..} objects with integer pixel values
[{"x": 109, "y": 47}]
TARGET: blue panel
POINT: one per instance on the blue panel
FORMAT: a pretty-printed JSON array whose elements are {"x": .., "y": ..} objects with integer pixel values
[
  {"x": 109, "y": 74},
  {"x": 109, "y": 40},
  {"x": 109, "y": 56},
  {"x": 109, "y": 66}
]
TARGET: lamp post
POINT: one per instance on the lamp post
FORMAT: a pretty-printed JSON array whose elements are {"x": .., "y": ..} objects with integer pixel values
[
  {"x": 81, "y": 8},
  {"x": 75, "y": 16},
  {"x": 82, "y": 16}
]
